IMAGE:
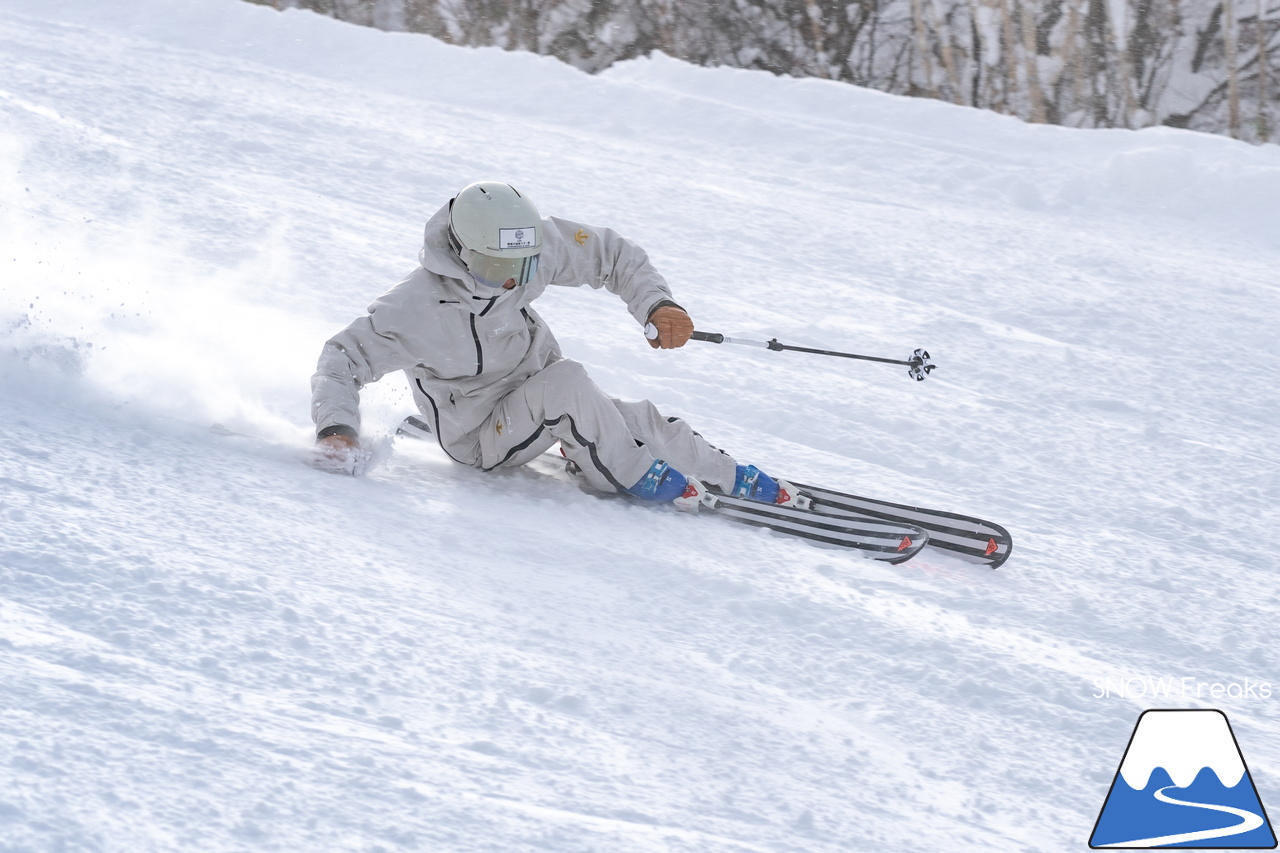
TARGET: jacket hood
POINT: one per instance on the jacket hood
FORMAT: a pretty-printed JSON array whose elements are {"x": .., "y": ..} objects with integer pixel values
[{"x": 437, "y": 255}]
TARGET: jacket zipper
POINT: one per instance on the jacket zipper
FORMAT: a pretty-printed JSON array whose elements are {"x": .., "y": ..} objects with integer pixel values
[
  {"x": 479, "y": 351},
  {"x": 435, "y": 412}
]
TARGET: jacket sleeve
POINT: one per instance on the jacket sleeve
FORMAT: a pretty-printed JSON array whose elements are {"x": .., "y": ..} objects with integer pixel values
[
  {"x": 601, "y": 257},
  {"x": 363, "y": 352}
]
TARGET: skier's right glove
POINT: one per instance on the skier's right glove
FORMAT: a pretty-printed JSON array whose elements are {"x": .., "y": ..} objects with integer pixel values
[{"x": 338, "y": 454}]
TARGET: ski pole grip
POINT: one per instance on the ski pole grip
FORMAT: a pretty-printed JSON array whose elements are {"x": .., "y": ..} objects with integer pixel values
[{"x": 651, "y": 332}]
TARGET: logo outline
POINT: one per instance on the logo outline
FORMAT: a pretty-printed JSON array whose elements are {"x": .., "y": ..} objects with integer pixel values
[{"x": 1246, "y": 776}]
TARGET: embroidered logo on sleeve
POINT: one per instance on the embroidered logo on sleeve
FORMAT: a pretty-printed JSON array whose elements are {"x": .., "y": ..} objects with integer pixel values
[{"x": 581, "y": 236}]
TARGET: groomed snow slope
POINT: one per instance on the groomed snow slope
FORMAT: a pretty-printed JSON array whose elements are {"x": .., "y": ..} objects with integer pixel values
[{"x": 207, "y": 645}]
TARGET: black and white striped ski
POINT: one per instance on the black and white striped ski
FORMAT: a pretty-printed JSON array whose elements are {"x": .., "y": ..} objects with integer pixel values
[
  {"x": 890, "y": 541},
  {"x": 972, "y": 539}
]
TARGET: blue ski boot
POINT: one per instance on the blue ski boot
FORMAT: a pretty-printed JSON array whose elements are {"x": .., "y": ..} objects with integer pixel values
[
  {"x": 755, "y": 485},
  {"x": 664, "y": 484}
]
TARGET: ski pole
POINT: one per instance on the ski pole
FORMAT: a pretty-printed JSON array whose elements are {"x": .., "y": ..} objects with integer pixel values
[{"x": 918, "y": 366}]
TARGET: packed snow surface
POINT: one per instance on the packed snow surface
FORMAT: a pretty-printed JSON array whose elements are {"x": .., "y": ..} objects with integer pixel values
[{"x": 207, "y": 645}]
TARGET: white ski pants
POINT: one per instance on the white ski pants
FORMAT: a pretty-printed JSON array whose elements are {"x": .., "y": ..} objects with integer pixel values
[{"x": 613, "y": 441}]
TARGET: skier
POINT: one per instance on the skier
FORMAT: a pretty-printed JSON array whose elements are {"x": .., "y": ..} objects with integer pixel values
[{"x": 487, "y": 374}]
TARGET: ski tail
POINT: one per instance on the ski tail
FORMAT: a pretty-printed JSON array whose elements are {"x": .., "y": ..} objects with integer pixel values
[
  {"x": 972, "y": 539},
  {"x": 415, "y": 427}
]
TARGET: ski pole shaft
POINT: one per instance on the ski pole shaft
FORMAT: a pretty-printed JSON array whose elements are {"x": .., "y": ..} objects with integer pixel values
[
  {"x": 919, "y": 363},
  {"x": 716, "y": 338}
]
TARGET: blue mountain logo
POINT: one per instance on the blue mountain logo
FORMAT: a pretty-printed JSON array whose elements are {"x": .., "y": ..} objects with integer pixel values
[{"x": 1183, "y": 783}]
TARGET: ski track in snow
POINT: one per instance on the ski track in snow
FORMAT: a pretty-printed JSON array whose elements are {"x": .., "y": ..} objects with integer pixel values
[{"x": 206, "y": 645}]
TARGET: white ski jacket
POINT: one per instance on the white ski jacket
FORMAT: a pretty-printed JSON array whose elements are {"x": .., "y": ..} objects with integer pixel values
[{"x": 462, "y": 347}]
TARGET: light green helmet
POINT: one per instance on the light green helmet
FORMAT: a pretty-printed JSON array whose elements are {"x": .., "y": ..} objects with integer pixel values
[{"x": 496, "y": 232}]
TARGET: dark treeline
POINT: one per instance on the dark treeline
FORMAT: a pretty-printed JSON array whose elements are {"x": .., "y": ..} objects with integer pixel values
[{"x": 1208, "y": 65}]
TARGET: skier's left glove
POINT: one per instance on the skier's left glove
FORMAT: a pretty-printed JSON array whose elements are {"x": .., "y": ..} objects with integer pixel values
[{"x": 674, "y": 327}]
